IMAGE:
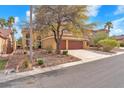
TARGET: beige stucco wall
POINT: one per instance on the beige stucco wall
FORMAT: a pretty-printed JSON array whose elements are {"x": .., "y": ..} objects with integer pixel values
[
  {"x": 49, "y": 42},
  {"x": 23, "y": 40},
  {"x": 34, "y": 38},
  {"x": 85, "y": 45},
  {"x": 2, "y": 45}
]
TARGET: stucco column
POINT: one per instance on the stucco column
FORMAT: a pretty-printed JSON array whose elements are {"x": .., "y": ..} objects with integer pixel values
[
  {"x": 24, "y": 41},
  {"x": 85, "y": 46},
  {"x": 66, "y": 44}
]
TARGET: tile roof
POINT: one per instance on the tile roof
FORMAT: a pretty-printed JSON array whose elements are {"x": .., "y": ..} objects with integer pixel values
[
  {"x": 4, "y": 33},
  {"x": 100, "y": 30},
  {"x": 119, "y": 37}
]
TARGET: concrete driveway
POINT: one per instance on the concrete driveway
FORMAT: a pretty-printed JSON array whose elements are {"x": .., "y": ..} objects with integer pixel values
[{"x": 91, "y": 55}]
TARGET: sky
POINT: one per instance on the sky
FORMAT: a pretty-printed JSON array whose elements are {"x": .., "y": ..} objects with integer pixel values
[
  {"x": 20, "y": 13},
  {"x": 100, "y": 14}
]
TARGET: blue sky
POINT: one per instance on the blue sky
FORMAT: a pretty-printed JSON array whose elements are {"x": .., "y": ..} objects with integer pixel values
[
  {"x": 19, "y": 12},
  {"x": 100, "y": 14},
  {"x": 113, "y": 13}
]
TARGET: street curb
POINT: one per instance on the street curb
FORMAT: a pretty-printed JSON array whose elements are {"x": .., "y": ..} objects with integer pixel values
[{"x": 13, "y": 76}]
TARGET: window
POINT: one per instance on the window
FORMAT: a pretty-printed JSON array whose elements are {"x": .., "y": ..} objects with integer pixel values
[{"x": 27, "y": 36}]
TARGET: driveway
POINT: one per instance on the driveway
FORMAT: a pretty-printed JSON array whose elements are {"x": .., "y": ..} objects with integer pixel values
[
  {"x": 105, "y": 73},
  {"x": 91, "y": 55}
]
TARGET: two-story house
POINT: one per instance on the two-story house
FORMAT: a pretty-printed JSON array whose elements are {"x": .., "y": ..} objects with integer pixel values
[{"x": 69, "y": 40}]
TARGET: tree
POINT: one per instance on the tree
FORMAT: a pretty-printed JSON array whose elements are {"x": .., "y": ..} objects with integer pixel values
[
  {"x": 2, "y": 22},
  {"x": 10, "y": 23},
  {"x": 108, "y": 26},
  {"x": 31, "y": 54},
  {"x": 86, "y": 30},
  {"x": 19, "y": 42},
  {"x": 14, "y": 30},
  {"x": 58, "y": 19},
  {"x": 99, "y": 36}
]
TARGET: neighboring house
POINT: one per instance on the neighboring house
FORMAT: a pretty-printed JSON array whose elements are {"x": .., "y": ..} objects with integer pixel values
[
  {"x": 36, "y": 39},
  {"x": 93, "y": 34},
  {"x": 69, "y": 41},
  {"x": 100, "y": 30},
  {"x": 119, "y": 38},
  {"x": 5, "y": 41}
]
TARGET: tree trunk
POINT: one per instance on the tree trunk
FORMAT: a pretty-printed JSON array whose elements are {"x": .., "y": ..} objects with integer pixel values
[
  {"x": 13, "y": 41},
  {"x": 57, "y": 38},
  {"x": 31, "y": 54},
  {"x": 58, "y": 47}
]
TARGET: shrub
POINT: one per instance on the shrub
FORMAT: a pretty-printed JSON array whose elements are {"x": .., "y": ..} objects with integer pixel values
[
  {"x": 99, "y": 36},
  {"x": 26, "y": 63},
  {"x": 40, "y": 61},
  {"x": 108, "y": 44},
  {"x": 49, "y": 49},
  {"x": 65, "y": 52},
  {"x": 121, "y": 44}
]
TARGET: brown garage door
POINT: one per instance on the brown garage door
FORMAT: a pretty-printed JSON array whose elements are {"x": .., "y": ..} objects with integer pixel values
[
  {"x": 63, "y": 44},
  {"x": 75, "y": 44}
]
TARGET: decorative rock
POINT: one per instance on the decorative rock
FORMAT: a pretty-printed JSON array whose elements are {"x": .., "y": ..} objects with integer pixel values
[{"x": 8, "y": 71}]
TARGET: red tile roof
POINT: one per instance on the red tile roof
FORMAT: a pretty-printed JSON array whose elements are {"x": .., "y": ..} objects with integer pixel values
[
  {"x": 120, "y": 37},
  {"x": 4, "y": 33},
  {"x": 100, "y": 30}
]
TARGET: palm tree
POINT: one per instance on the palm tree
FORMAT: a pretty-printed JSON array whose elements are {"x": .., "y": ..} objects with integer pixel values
[
  {"x": 108, "y": 26},
  {"x": 31, "y": 54},
  {"x": 11, "y": 21},
  {"x": 2, "y": 22}
]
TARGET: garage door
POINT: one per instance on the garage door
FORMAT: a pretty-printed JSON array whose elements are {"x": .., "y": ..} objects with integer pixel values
[
  {"x": 75, "y": 44},
  {"x": 63, "y": 44}
]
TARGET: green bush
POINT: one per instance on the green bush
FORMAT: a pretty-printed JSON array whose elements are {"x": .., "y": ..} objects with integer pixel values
[
  {"x": 108, "y": 44},
  {"x": 49, "y": 49},
  {"x": 40, "y": 61},
  {"x": 65, "y": 52},
  {"x": 121, "y": 44},
  {"x": 99, "y": 36}
]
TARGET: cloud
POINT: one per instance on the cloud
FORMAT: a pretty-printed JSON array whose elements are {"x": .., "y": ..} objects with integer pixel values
[
  {"x": 16, "y": 20},
  {"x": 18, "y": 29},
  {"x": 118, "y": 25},
  {"x": 16, "y": 26},
  {"x": 120, "y": 10},
  {"x": 18, "y": 34},
  {"x": 93, "y": 10},
  {"x": 28, "y": 13}
]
